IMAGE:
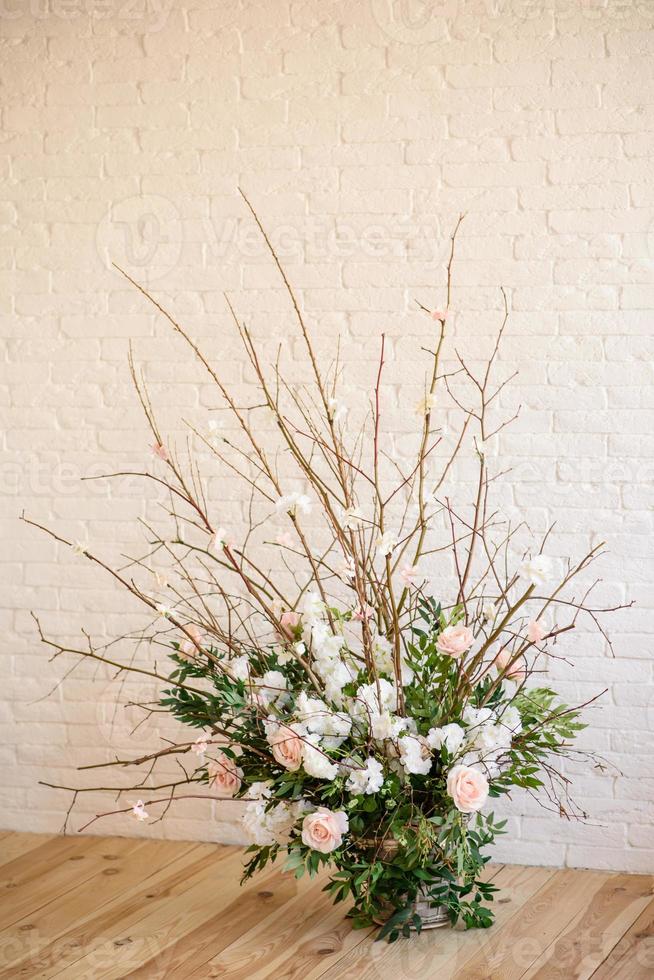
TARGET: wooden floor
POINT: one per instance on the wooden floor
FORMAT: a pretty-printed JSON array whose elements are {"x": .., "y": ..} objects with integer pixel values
[{"x": 102, "y": 907}]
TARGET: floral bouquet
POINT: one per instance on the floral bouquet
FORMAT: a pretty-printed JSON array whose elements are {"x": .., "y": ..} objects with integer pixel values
[{"x": 366, "y": 718}]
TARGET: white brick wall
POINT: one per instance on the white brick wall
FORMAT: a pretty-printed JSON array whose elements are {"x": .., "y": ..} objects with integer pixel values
[{"x": 360, "y": 130}]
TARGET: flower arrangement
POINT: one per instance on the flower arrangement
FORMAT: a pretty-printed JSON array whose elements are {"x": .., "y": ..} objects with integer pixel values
[{"x": 365, "y": 718}]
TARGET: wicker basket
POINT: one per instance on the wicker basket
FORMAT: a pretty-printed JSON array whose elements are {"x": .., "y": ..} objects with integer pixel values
[{"x": 432, "y": 916}]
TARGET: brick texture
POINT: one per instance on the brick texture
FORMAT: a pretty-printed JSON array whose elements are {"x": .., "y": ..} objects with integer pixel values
[{"x": 360, "y": 131}]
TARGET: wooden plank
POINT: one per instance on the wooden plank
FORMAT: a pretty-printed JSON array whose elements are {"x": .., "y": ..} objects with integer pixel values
[
  {"x": 512, "y": 951},
  {"x": 632, "y": 958},
  {"x": 40, "y": 876},
  {"x": 266, "y": 893},
  {"x": 13, "y": 845},
  {"x": 127, "y": 933},
  {"x": 98, "y": 923},
  {"x": 588, "y": 936},
  {"x": 29, "y": 863},
  {"x": 440, "y": 952},
  {"x": 125, "y": 862},
  {"x": 298, "y": 940}
]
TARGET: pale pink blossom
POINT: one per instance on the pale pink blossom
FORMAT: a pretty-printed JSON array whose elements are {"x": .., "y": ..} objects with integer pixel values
[
  {"x": 517, "y": 672},
  {"x": 160, "y": 451},
  {"x": 468, "y": 788},
  {"x": 363, "y": 613},
  {"x": 139, "y": 811},
  {"x": 188, "y": 648},
  {"x": 410, "y": 574},
  {"x": 441, "y": 315},
  {"x": 536, "y": 631},
  {"x": 323, "y": 830},
  {"x": 286, "y": 746},
  {"x": 201, "y": 744},
  {"x": 455, "y": 640},
  {"x": 225, "y": 777}
]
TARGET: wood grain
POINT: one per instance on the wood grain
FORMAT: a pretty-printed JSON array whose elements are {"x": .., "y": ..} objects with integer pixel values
[{"x": 92, "y": 908}]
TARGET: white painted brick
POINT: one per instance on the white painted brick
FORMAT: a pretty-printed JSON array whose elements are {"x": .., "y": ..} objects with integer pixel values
[{"x": 360, "y": 139}]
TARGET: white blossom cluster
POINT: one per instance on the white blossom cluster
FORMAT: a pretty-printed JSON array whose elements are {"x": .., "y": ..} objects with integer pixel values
[{"x": 273, "y": 826}]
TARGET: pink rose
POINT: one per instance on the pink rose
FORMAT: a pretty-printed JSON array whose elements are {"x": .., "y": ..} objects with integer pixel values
[
  {"x": 289, "y": 622},
  {"x": 454, "y": 640},
  {"x": 224, "y": 776},
  {"x": 323, "y": 830},
  {"x": 516, "y": 672},
  {"x": 536, "y": 631},
  {"x": 286, "y": 747},
  {"x": 468, "y": 788}
]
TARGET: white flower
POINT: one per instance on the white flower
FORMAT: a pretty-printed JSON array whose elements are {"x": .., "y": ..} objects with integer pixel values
[
  {"x": 313, "y": 711},
  {"x": 386, "y": 725},
  {"x": 218, "y": 540},
  {"x": 451, "y": 736},
  {"x": 294, "y": 502},
  {"x": 382, "y": 651},
  {"x": 368, "y": 780},
  {"x": 367, "y": 703},
  {"x": 335, "y": 675},
  {"x": 313, "y": 608},
  {"x": 536, "y": 570},
  {"x": 410, "y": 574},
  {"x": 286, "y": 656},
  {"x": 509, "y": 718},
  {"x": 426, "y": 404},
  {"x": 489, "y": 737},
  {"x": 347, "y": 570},
  {"x": 265, "y": 828},
  {"x": 332, "y": 726},
  {"x": 476, "y": 716},
  {"x": 386, "y": 544},
  {"x": 489, "y": 611},
  {"x": 201, "y": 744},
  {"x": 139, "y": 811},
  {"x": 336, "y": 409},
  {"x": 414, "y": 755},
  {"x": 314, "y": 760},
  {"x": 240, "y": 667},
  {"x": 352, "y": 517},
  {"x": 326, "y": 645},
  {"x": 79, "y": 548},
  {"x": 271, "y": 687}
]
